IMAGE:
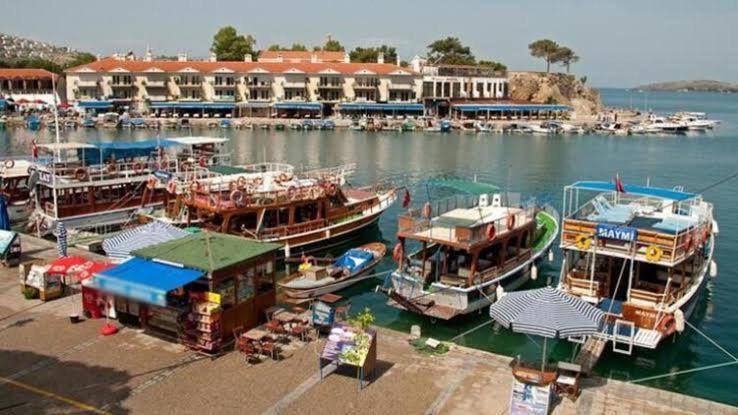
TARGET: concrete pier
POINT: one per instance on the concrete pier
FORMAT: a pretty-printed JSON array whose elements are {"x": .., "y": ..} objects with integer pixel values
[{"x": 48, "y": 365}]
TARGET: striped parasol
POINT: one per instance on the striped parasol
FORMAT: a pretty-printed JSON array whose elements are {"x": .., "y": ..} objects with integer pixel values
[
  {"x": 120, "y": 246},
  {"x": 61, "y": 239},
  {"x": 546, "y": 312}
]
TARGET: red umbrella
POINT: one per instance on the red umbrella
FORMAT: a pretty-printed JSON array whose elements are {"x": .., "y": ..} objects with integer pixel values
[
  {"x": 22, "y": 101},
  {"x": 93, "y": 268},
  {"x": 40, "y": 102},
  {"x": 77, "y": 267}
]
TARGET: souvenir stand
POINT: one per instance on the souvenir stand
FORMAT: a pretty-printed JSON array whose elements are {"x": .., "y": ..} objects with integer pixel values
[
  {"x": 10, "y": 248},
  {"x": 350, "y": 346}
]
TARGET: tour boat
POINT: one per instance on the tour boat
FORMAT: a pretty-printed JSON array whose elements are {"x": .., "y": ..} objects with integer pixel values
[
  {"x": 476, "y": 247},
  {"x": 272, "y": 202},
  {"x": 695, "y": 121},
  {"x": 317, "y": 277},
  {"x": 639, "y": 253},
  {"x": 100, "y": 185},
  {"x": 14, "y": 176}
]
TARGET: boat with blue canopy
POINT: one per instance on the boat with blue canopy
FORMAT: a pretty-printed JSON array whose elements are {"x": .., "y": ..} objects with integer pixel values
[{"x": 639, "y": 253}]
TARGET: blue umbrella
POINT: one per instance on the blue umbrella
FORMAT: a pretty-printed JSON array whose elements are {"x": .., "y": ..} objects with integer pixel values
[
  {"x": 4, "y": 217},
  {"x": 61, "y": 239}
]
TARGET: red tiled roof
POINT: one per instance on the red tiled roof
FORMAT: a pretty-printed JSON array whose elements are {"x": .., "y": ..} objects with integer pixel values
[
  {"x": 110, "y": 64},
  {"x": 26, "y": 73},
  {"x": 301, "y": 56}
]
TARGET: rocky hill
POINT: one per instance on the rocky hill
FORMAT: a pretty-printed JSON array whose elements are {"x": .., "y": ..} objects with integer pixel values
[
  {"x": 559, "y": 88},
  {"x": 14, "y": 49},
  {"x": 699, "y": 85}
]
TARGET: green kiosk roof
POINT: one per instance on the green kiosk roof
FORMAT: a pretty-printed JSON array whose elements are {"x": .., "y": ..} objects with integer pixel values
[{"x": 193, "y": 251}]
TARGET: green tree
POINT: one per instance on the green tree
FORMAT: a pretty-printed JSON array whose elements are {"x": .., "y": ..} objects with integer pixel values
[
  {"x": 298, "y": 47},
  {"x": 450, "y": 51},
  {"x": 82, "y": 58},
  {"x": 274, "y": 48},
  {"x": 371, "y": 54},
  {"x": 332, "y": 45},
  {"x": 495, "y": 66},
  {"x": 566, "y": 57},
  {"x": 545, "y": 49},
  {"x": 228, "y": 45}
]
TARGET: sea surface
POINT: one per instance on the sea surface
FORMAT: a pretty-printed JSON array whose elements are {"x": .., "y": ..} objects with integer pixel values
[{"x": 536, "y": 166}]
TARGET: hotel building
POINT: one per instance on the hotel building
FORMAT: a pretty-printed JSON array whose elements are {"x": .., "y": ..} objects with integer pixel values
[{"x": 278, "y": 84}]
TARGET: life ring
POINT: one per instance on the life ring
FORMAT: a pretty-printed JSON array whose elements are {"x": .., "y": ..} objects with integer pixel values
[
  {"x": 172, "y": 187},
  {"x": 667, "y": 326},
  {"x": 510, "y": 221},
  {"x": 688, "y": 241},
  {"x": 291, "y": 192},
  {"x": 138, "y": 167},
  {"x": 284, "y": 177},
  {"x": 232, "y": 186},
  {"x": 258, "y": 181},
  {"x": 9, "y": 164},
  {"x": 80, "y": 174},
  {"x": 194, "y": 186},
  {"x": 397, "y": 253},
  {"x": 330, "y": 189},
  {"x": 583, "y": 242},
  {"x": 653, "y": 253},
  {"x": 490, "y": 231},
  {"x": 236, "y": 197},
  {"x": 241, "y": 182},
  {"x": 203, "y": 162},
  {"x": 427, "y": 210},
  {"x": 212, "y": 201},
  {"x": 112, "y": 167},
  {"x": 151, "y": 182}
]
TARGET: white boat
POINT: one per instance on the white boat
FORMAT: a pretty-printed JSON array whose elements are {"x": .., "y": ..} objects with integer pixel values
[
  {"x": 14, "y": 177},
  {"x": 695, "y": 121},
  {"x": 639, "y": 253},
  {"x": 313, "y": 280},
  {"x": 469, "y": 252},
  {"x": 482, "y": 128},
  {"x": 662, "y": 125}
]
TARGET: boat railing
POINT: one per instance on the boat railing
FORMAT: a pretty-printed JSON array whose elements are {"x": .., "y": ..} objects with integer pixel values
[
  {"x": 268, "y": 167},
  {"x": 335, "y": 174},
  {"x": 78, "y": 172},
  {"x": 282, "y": 231}
]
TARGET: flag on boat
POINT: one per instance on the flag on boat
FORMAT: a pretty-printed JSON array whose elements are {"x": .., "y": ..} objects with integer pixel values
[
  {"x": 406, "y": 199},
  {"x": 619, "y": 184}
]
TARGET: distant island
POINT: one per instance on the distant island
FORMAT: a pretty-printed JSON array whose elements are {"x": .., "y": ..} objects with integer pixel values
[{"x": 698, "y": 86}]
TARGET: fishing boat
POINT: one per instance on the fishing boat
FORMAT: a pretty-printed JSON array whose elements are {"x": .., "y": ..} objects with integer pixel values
[
  {"x": 322, "y": 276},
  {"x": 101, "y": 185},
  {"x": 639, "y": 253},
  {"x": 88, "y": 122},
  {"x": 695, "y": 121},
  {"x": 476, "y": 246},
  {"x": 443, "y": 126},
  {"x": 295, "y": 126},
  {"x": 408, "y": 125},
  {"x": 226, "y": 124},
  {"x": 482, "y": 128},
  {"x": 272, "y": 202},
  {"x": 328, "y": 125},
  {"x": 279, "y": 126},
  {"x": 138, "y": 122}
]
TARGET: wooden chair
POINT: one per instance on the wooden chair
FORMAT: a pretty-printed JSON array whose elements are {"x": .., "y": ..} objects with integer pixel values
[
  {"x": 567, "y": 381},
  {"x": 269, "y": 348},
  {"x": 244, "y": 345}
]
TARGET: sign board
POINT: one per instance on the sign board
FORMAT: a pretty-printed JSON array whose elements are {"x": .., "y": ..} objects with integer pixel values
[
  {"x": 323, "y": 314},
  {"x": 620, "y": 233},
  {"x": 528, "y": 398},
  {"x": 6, "y": 239},
  {"x": 212, "y": 297}
]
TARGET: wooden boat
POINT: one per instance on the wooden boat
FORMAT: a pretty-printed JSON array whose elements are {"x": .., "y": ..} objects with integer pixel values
[
  {"x": 475, "y": 247},
  {"x": 327, "y": 276},
  {"x": 272, "y": 202},
  {"x": 639, "y": 253}
]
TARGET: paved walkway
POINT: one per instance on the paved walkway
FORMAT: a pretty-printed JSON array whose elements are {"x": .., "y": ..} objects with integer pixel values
[{"x": 48, "y": 365}]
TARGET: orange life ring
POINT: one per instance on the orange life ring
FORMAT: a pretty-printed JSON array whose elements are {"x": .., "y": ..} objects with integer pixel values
[
  {"x": 232, "y": 186},
  {"x": 284, "y": 177},
  {"x": 9, "y": 163},
  {"x": 138, "y": 167},
  {"x": 258, "y": 181},
  {"x": 397, "y": 253},
  {"x": 427, "y": 210},
  {"x": 667, "y": 326},
  {"x": 80, "y": 174},
  {"x": 236, "y": 197},
  {"x": 151, "y": 182},
  {"x": 291, "y": 192},
  {"x": 510, "y": 221},
  {"x": 172, "y": 187},
  {"x": 212, "y": 201},
  {"x": 688, "y": 241},
  {"x": 490, "y": 232},
  {"x": 241, "y": 182}
]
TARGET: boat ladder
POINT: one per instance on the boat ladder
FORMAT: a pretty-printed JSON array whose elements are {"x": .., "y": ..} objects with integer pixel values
[{"x": 623, "y": 333}]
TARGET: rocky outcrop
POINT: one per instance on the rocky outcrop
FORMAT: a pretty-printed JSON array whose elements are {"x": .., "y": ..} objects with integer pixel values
[{"x": 555, "y": 88}]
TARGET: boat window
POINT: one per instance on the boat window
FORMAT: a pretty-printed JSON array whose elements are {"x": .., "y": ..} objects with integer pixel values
[
  {"x": 243, "y": 222},
  {"x": 306, "y": 213},
  {"x": 246, "y": 285},
  {"x": 270, "y": 219},
  {"x": 284, "y": 216}
]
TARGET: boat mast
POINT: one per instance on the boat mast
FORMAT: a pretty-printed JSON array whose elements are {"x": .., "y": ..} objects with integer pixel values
[{"x": 57, "y": 153}]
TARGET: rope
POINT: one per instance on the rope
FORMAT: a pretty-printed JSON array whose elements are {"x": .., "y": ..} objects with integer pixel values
[
  {"x": 683, "y": 372},
  {"x": 714, "y": 343},
  {"x": 453, "y": 339}
]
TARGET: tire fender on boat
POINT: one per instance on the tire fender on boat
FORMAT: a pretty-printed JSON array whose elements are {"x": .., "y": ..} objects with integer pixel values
[{"x": 9, "y": 164}]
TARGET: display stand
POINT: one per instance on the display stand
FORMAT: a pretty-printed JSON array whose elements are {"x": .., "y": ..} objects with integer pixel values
[
  {"x": 202, "y": 329},
  {"x": 339, "y": 342}
]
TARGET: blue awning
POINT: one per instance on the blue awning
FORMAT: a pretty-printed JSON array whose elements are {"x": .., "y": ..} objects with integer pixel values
[
  {"x": 192, "y": 105},
  {"x": 376, "y": 106},
  {"x": 314, "y": 106},
  {"x": 636, "y": 190},
  {"x": 510, "y": 107},
  {"x": 144, "y": 280},
  {"x": 121, "y": 150},
  {"x": 95, "y": 104}
]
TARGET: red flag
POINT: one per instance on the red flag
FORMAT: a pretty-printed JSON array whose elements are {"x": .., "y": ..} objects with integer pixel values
[
  {"x": 619, "y": 184},
  {"x": 406, "y": 199},
  {"x": 34, "y": 150}
]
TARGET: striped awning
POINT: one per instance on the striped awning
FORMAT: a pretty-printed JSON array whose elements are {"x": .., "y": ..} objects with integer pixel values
[
  {"x": 120, "y": 246},
  {"x": 310, "y": 106},
  {"x": 546, "y": 312},
  {"x": 510, "y": 107}
]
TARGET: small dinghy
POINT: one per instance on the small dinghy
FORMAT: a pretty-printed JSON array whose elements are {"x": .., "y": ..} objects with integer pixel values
[{"x": 326, "y": 276}]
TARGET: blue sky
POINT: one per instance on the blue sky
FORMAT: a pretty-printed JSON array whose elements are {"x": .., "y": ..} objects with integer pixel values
[{"x": 621, "y": 43}]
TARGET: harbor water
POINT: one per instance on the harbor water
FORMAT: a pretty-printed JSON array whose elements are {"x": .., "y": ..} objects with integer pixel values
[{"x": 537, "y": 166}]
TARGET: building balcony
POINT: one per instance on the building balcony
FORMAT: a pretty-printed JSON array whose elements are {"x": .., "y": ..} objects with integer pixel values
[
  {"x": 83, "y": 84},
  {"x": 190, "y": 99},
  {"x": 330, "y": 86},
  {"x": 224, "y": 98},
  {"x": 357, "y": 85},
  {"x": 224, "y": 86},
  {"x": 154, "y": 83},
  {"x": 401, "y": 87},
  {"x": 190, "y": 86},
  {"x": 260, "y": 85},
  {"x": 298, "y": 85},
  {"x": 121, "y": 85},
  {"x": 153, "y": 97}
]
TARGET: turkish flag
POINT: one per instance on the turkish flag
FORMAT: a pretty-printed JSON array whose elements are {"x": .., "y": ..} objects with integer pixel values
[
  {"x": 619, "y": 184},
  {"x": 406, "y": 199}
]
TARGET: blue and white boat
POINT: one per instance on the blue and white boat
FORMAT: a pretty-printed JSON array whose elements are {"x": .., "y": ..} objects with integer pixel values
[
  {"x": 639, "y": 253},
  {"x": 88, "y": 122},
  {"x": 225, "y": 123},
  {"x": 33, "y": 122},
  {"x": 138, "y": 122},
  {"x": 315, "y": 279},
  {"x": 444, "y": 126}
]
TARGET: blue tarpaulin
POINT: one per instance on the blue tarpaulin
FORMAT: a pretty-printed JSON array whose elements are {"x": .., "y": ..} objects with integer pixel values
[
  {"x": 375, "y": 106},
  {"x": 354, "y": 260},
  {"x": 4, "y": 216},
  {"x": 192, "y": 105},
  {"x": 144, "y": 280},
  {"x": 95, "y": 104},
  {"x": 636, "y": 190},
  {"x": 121, "y": 150}
]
